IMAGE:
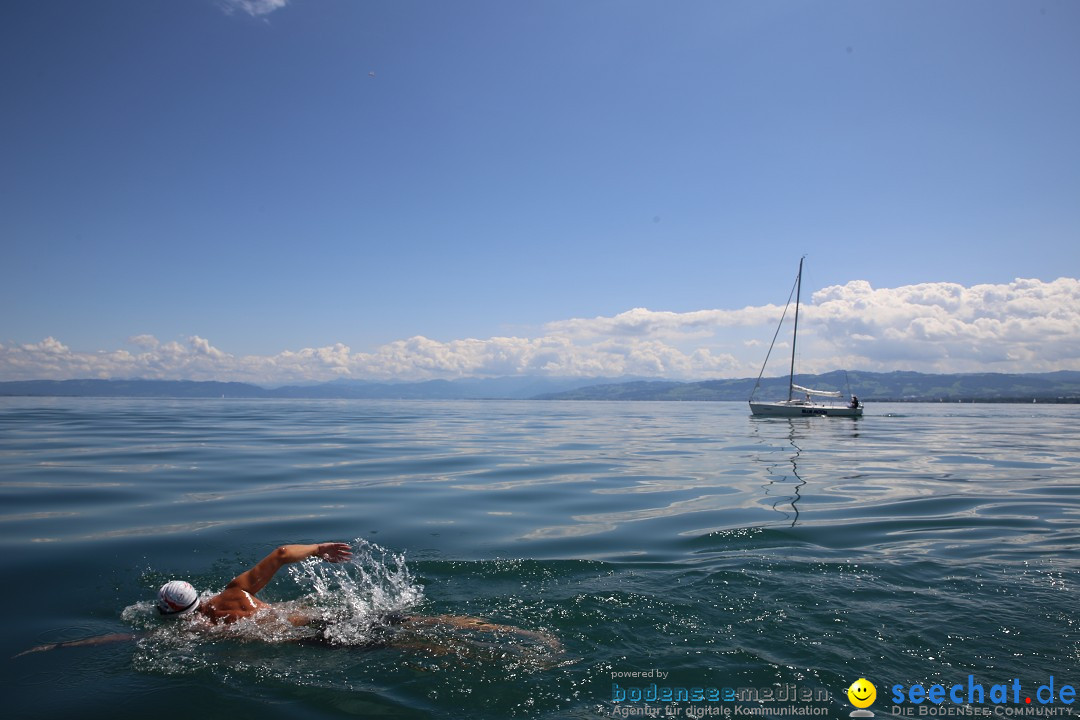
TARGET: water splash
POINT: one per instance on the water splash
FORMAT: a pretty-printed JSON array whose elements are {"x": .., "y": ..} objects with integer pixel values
[{"x": 348, "y": 599}]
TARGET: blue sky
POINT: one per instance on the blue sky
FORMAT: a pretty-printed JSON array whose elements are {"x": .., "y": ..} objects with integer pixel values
[{"x": 213, "y": 189}]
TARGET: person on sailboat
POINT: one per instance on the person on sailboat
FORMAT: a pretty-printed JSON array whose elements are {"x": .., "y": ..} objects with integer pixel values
[{"x": 854, "y": 402}]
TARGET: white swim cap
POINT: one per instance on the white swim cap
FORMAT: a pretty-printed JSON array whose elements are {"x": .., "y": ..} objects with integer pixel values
[{"x": 177, "y": 598}]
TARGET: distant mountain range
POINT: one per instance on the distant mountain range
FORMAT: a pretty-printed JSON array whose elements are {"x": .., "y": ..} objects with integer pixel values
[
  {"x": 1061, "y": 386},
  {"x": 507, "y": 388}
]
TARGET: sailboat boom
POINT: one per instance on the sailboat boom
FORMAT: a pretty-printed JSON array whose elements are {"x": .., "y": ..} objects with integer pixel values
[{"x": 818, "y": 393}]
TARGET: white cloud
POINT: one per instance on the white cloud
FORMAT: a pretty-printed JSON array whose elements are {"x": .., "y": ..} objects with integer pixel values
[
  {"x": 254, "y": 8},
  {"x": 640, "y": 322},
  {"x": 1022, "y": 326},
  {"x": 146, "y": 342}
]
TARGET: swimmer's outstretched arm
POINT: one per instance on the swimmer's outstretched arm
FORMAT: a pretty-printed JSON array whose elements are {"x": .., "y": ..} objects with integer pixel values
[
  {"x": 257, "y": 577},
  {"x": 99, "y": 640}
]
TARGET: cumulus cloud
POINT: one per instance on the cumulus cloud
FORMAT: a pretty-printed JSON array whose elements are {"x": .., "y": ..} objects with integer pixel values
[
  {"x": 416, "y": 358},
  {"x": 254, "y": 8},
  {"x": 1022, "y": 326},
  {"x": 641, "y": 322}
]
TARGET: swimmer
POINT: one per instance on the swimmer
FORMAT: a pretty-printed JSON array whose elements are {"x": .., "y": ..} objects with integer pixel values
[
  {"x": 178, "y": 599},
  {"x": 237, "y": 601}
]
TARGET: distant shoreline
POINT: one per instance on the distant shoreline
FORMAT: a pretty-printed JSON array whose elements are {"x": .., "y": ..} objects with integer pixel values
[
  {"x": 870, "y": 401},
  {"x": 1062, "y": 387}
]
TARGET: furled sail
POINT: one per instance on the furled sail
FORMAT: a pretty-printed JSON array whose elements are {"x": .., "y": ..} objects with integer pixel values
[{"x": 818, "y": 393}]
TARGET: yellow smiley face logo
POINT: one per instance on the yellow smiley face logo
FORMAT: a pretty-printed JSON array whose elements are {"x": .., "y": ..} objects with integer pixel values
[{"x": 862, "y": 693}]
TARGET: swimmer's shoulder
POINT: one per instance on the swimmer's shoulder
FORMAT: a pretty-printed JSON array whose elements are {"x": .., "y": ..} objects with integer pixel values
[{"x": 231, "y": 604}]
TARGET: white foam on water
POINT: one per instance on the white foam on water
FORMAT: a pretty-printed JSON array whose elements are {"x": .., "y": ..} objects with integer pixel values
[{"x": 349, "y": 598}]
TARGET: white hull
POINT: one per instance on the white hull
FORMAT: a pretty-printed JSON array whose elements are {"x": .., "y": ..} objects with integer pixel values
[{"x": 801, "y": 408}]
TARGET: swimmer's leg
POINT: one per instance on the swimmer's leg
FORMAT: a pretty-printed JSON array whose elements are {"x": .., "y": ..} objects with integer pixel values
[
  {"x": 467, "y": 622},
  {"x": 99, "y": 640}
]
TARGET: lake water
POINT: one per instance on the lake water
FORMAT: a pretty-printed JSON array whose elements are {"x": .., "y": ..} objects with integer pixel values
[{"x": 919, "y": 544}]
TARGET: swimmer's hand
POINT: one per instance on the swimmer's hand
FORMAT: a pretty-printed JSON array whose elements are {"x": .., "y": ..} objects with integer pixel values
[{"x": 334, "y": 552}]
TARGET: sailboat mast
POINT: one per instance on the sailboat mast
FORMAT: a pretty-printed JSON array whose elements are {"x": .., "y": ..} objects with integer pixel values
[{"x": 795, "y": 332}]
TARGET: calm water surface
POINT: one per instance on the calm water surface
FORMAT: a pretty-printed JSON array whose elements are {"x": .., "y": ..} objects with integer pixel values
[{"x": 919, "y": 544}]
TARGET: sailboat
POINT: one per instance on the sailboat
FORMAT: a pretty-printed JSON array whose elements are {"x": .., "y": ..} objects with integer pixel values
[{"x": 806, "y": 403}]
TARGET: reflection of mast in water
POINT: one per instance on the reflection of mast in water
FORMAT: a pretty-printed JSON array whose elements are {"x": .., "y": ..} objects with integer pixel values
[{"x": 795, "y": 497}]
